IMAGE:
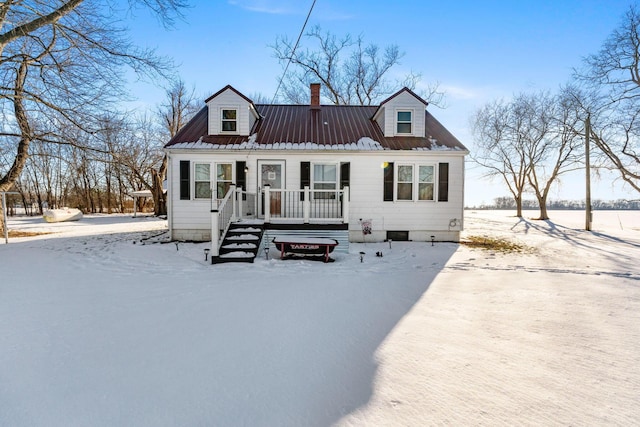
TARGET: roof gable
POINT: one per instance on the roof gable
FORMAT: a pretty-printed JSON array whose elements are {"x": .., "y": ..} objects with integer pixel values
[
  {"x": 409, "y": 91},
  {"x": 389, "y": 99},
  {"x": 229, "y": 87}
]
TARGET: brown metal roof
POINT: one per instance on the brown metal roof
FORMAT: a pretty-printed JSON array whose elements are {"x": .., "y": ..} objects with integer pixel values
[
  {"x": 330, "y": 125},
  {"x": 194, "y": 129}
]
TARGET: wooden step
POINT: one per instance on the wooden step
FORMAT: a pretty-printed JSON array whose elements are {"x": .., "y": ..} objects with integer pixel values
[
  {"x": 240, "y": 244},
  {"x": 236, "y": 256}
]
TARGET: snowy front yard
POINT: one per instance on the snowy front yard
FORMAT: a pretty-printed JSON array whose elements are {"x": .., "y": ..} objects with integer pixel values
[{"x": 99, "y": 326}]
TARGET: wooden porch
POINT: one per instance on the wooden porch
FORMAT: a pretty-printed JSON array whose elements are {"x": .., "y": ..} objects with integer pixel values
[
  {"x": 290, "y": 206},
  {"x": 306, "y": 212}
]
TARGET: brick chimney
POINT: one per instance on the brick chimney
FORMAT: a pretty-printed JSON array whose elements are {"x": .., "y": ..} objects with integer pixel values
[{"x": 315, "y": 95}]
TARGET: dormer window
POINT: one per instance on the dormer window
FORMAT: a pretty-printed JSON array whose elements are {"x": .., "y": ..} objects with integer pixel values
[
  {"x": 229, "y": 120},
  {"x": 404, "y": 122}
]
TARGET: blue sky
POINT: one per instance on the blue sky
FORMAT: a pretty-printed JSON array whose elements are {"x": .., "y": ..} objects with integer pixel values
[{"x": 477, "y": 50}]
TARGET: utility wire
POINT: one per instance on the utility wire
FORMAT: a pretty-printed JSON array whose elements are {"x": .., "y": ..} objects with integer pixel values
[{"x": 275, "y": 95}]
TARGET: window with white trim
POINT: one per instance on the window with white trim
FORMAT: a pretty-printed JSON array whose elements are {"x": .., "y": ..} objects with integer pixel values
[
  {"x": 229, "y": 120},
  {"x": 425, "y": 182},
  {"x": 404, "y": 182},
  {"x": 224, "y": 178},
  {"x": 202, "y": 180},
  {"x": 415, "y": 182},
  {"x": 404, "y": 122},
  {"x": 324, "y": 177}
]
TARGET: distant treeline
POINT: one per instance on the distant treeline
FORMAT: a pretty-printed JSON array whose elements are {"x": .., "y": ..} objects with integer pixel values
[{"x": 507, "y": 203}]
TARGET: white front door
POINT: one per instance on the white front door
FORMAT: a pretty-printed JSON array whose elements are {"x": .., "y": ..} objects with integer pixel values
[{"x": 271, "y": 172}]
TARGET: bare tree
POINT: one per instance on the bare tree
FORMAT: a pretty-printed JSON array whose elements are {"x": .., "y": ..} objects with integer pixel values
[
  {"x": 529, "y": 142},
  {"x": 613, "y": 76},
  {"x": 553, "y": 145},
  {"x": 175, "y": 112},
  {"x": 138, "y": 155},
  {"x": 63, "y": 59},
  {"x": 351, "y": 72},
  {"x": 500, "y": 147}
]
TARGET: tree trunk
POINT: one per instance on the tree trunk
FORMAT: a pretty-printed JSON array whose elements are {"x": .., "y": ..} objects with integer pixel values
[
  {"x": 518, "y": 206},
  {"x": 2, "y": 225},
  {"x": 7, "y": 181},
  {"x": 37, "y": 191},
  {"x": 109, "y": 210},
  {"x": 159, "y": 196},
  {"x": 543, "y": 210}
]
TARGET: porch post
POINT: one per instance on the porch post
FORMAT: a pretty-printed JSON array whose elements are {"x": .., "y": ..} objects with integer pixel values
[
  {"x": 306, "y": 205},
  {"x": 232, "y": 196},
  {"x": 267, "y": 203},
  {"x": 345, "y": 205},
  {"x": 238, "y": 197},
  {"x": 215, "y": 234}
]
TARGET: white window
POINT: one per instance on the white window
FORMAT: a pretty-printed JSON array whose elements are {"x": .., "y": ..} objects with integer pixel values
[
  {"x": 425, "y": 182},
  {"x": 202, "y": 180},
  {"x": 415, "y": 182},
  {"x": 229, "y": 120},
  {"x": 325, "y": 177},
  {"x": 404, "y": 182},
  {"x": 404, "y": 122},
  {"x": 224, "y": 174}
]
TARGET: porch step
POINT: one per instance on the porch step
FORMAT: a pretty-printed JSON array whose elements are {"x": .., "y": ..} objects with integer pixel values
[{"x": 241, "y": 243}]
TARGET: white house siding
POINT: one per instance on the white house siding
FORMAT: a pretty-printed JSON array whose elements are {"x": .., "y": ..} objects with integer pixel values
[
  {"x": 421, "y": 219},
  {"x": 380, "y": 119},
  {"x": 229, "y": 100},
  {"x": 190, "y": 219},
  {"x": 253, "y": 117},
  {"x": 404, "y": 101}
]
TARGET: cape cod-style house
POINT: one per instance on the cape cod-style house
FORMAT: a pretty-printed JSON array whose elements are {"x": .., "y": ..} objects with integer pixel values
[{"x": 352, "y": 173}]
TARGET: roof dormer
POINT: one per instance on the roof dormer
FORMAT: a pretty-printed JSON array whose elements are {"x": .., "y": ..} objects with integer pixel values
[
  {"x": 402, "y": 115},
  {"x": 230, "y": 113}
]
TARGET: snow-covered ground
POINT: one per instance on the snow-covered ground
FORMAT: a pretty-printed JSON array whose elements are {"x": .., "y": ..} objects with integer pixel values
[{"x": 100, "y": 326}]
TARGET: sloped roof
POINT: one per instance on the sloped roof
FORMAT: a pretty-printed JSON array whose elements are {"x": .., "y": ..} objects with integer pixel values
[
  {"x": 229, "y": 87},
  {"x": 409, "y": 91},
  {"x": 301, "y": 127}
]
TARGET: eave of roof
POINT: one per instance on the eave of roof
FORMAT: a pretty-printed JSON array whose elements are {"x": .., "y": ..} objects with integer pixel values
[
  {"x": 409, "y": 91},
  {"x": 229, "y": 87}
]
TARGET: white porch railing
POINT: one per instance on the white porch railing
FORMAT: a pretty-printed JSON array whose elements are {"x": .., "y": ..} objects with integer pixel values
[
  {"x": 305, "y": 205},
  {"x": 220, "y": 220},
  {"x": 302, "y": 206}
]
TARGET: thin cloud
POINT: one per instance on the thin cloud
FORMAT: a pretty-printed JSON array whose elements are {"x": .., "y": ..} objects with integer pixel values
[
  {"x": 266, "y": 6},
  {"x": 290, "y": 7},
  {"x": 460, "y": 92}
]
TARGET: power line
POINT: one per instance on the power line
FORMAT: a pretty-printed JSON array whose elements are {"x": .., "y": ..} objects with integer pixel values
[{"x": 275, "y": 95}]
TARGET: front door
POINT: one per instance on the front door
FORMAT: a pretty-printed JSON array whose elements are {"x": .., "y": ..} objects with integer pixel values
[{"x": 271, "y": 172}]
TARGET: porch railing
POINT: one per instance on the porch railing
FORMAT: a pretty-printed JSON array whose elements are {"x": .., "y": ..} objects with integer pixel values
[
  {"x": 304, "y": 206},
  {"x": 221, "y": 218}
]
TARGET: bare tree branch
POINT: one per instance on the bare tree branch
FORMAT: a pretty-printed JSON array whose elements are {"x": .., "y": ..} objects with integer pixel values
[
  {"x": 61, "y": 67},
  {"x": 350, "y": 71},
  {"x": 612, "y": 77}
]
